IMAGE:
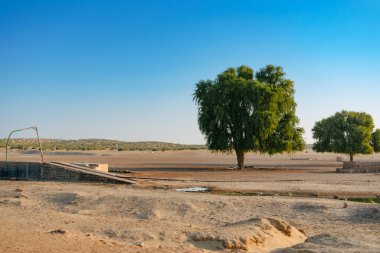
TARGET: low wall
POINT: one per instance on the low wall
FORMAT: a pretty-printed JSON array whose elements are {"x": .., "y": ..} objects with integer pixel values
[
  {"x": 360, "y": 167},
  {"x": 47, "y": 172}
]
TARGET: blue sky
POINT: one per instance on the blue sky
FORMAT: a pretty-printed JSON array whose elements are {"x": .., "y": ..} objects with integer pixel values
[{"x": 127, "y": 70}]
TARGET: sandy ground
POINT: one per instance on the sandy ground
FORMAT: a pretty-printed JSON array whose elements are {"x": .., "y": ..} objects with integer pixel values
[
  {"x": 153, "y": 217},
  {"x": 304, "y": 173}
]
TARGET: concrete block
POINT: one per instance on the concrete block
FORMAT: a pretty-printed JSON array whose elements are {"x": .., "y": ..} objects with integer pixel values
[{"x": 99, "y": 166}]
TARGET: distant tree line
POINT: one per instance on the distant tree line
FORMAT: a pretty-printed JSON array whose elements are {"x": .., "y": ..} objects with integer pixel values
[{"x": 95, "y": 144}]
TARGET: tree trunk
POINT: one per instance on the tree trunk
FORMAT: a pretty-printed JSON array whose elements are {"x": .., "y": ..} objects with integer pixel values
[
  {"x": 351, "y": 157},
  {"x": 240, "y": 159}
]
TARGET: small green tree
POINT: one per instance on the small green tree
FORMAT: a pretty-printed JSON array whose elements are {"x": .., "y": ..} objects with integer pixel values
[
  {"x": 243, "y": 111},
  {"x": 345, "y": 132},
  {"x": 375, "y": 140}
]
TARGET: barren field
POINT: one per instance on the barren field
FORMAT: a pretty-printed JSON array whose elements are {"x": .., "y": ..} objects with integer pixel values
[{"x": 283, "y": 203}]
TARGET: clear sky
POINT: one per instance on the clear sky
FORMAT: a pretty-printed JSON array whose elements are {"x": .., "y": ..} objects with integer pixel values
[{"x": 127, "y": 70}]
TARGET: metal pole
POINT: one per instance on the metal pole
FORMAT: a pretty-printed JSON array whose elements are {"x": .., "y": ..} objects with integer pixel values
[
  {"x": 6, "y": 148},
  {"x": 39, "y": 142}
]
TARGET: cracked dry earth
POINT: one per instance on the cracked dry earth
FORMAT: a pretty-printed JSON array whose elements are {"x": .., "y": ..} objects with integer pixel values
[{"x": 72, "y": 217}]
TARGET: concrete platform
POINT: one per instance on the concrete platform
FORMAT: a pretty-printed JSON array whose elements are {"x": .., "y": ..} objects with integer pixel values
[
  {"x": 95, "y": 166},
  {"x": 360, "y": 167},
  {"x": 55, "y": 171}
]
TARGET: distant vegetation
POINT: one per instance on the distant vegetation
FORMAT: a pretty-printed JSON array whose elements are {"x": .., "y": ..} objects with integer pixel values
[
  {"x": 95, "y": 144},
  {"x": 375, "y": 140}
]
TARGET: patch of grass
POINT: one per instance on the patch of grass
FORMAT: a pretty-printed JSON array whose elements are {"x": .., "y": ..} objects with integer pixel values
[
  {"x": 242, "y": 193},
  {"x": 366, "y": 200},
  {"x": 235, "y": 193}
]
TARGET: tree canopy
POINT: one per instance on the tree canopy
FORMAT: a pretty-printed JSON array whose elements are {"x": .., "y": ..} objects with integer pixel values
[
  {"x": 375, "y": 140},
  {"x": 244, "y": 111},
  {"x": 345, "y": 132}
]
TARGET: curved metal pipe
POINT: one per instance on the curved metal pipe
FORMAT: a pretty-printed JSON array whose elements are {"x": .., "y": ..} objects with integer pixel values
[{"x": 18, "y": 130}]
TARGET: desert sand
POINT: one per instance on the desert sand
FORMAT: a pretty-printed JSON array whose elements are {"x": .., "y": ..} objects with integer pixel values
[{"x": 289, "y": 207}]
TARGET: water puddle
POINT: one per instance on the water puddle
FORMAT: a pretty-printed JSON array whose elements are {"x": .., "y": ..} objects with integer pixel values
[{"x": 193, "y": 189}]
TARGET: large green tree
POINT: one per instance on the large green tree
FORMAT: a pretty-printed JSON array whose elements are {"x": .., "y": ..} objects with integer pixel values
[
  {"x": 344, "y": 132},
  {"x": 242, "y": 111},
  {"x": 375, "y": 140}
]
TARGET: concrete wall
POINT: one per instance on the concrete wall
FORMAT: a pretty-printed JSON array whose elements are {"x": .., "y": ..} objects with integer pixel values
[
  {"x": 360, "y": 167},
  {"x": 48, "y": 172}
]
